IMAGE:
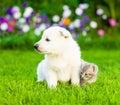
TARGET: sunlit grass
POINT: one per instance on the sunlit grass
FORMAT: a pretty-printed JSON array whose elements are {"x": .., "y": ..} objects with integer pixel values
[{"x": 18, "y": 84}]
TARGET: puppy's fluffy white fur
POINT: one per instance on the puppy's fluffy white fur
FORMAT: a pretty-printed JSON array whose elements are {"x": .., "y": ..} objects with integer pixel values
[{"x": 62, "y": 57}]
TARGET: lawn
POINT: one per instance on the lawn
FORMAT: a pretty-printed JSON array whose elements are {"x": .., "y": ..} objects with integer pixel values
[{"x": 18, "y": 84}]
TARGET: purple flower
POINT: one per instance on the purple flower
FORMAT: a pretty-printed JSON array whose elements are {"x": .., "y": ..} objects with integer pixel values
[
  {"x": 24, "y": 5},
  {"x": 28, "y": 20},
  {"x": 81, "y": 23},
  {"x": 9, "y": 11},
  {"x": 20, "y": 32},
  {"x": 10, "y": 29},
  {"x": 86, "y": 19},
  {"x": 76, "y": 34},
  {"x": 44, "y": 17},
  {"x": 62, "y": 25},
  {"x": 38, "y": 19},
  {"x": 48, "y": 24},
  {"x": 72, "y": 29},
  {"x": 37, "y": 25},
  {"x": 3, "y": 20}
]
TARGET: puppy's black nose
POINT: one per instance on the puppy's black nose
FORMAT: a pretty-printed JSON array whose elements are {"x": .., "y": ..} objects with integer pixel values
[{"x": 36, "y": 46}]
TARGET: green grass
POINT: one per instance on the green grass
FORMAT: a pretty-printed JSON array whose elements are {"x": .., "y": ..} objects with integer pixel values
[{"x": 18, "y": 81}]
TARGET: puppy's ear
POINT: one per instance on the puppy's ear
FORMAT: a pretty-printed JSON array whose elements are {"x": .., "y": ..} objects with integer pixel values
[{"x": 64, "y": 35}]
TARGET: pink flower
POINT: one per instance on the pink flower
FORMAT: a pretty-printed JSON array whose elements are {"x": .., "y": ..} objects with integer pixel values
[
  {"x": 10, "y": 29},
  {"x": 112, "y": 22},
  {"x": 101, "y": 32}
]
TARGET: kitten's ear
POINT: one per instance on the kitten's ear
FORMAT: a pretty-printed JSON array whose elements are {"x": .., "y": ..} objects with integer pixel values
[
  {"x": 64, "y": 35},
  {"x": 95, "y": 68}
]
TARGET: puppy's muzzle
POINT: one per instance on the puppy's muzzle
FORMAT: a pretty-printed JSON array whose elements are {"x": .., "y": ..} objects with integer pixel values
[{"x": 36, "y": 46}]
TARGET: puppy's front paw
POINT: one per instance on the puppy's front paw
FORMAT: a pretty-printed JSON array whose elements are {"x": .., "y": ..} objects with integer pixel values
[{"x": 52, "y": 84}]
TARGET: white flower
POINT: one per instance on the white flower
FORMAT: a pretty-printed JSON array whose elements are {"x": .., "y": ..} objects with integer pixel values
[
  {"x": 42, "y": 27},
  {"x": 71, "y": 25},
  {"x": 4, "y": 26},
  {"x": 93, "y": 24},
  {"x": 104, "y": 17},
  {"x": 15, "y": 9},
  {"x": 84, "y": 6},
  {"x": 66, "y": 13},
  {"x": 25, "y": 28},
  {"x": 84, "y": 33},
  {"x": 21, "y": 20},
  {"x": 79, "y": 11},
  {"x": 77, "y": 23},
  {"x": 99, "y": 11},
  {"x": 28, "y": 12},
  {"x": 65, "y": 7},
  {"x": 37, "y": 32},
  {"x": 17, "y": 15},
  {"x": 56, "y": 18}
]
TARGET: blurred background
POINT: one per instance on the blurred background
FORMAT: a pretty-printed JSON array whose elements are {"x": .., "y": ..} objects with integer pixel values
[{"x": 93, "y": 23}]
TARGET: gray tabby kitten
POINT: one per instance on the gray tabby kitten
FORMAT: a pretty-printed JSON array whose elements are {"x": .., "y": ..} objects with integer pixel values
[{"x": 88, "y": 73}]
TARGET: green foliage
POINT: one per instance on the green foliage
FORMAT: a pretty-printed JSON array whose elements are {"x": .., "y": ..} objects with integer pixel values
[
  {"x": 18, "y": 41},
  {"x": 18, "y": 84},
  {"x": 27, "y": 40}
]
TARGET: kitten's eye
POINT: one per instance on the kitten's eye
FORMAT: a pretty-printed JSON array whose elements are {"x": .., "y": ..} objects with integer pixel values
[
  {"x": 85, "y": 73},
  {"x": 47, "y": 39}
]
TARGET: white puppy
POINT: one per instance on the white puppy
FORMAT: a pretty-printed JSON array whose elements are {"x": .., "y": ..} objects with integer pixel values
[{"x": 62, "y": 57}]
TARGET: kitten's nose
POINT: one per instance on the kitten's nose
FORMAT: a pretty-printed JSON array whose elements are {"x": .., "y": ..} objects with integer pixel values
[{"x": 36, "y": 46}]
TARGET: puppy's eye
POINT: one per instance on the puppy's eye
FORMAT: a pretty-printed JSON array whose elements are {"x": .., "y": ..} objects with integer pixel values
[{"x": 47, "y": 39}]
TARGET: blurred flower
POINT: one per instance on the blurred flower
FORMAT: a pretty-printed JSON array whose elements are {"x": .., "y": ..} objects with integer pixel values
[
  {"x": 86, "y": 19},
  {"x": 101, "y": 32},
  {"x": 93, "y": 24},
  {"x": 37, "y": 18},
  {"x": 77, "y": 23},
  {"x": 112, "y": 22},
  {"x": 84, "y": 6},
  {"x": 39, "y": 29},
  {"x": 42, "y": 27},
  {"x": 10, "y": 28},
  {"x": 28, "y": 11},
  {"x": 62, "y": 25},
  {"x": 24, "y": 5},
  {"x": 65, "y": 7},
  {"x": 56, "y": 18},
  {"x": 17, "y": 15},
  {"x": 12, "y": 23},
  {"x": 21, "y": 21},
  {"x": 66, "y": 21},
  {"x": 37, "y": 32},
  {"x": 79, "y": 11},
  {"x": 28, "y": 19},
  {"x": 99, "y": 11},
  {"x": 9, "y": 11},
  {"x": 15, "y": 9},
  {"x": 48, "y": 24},
  {"x": 66, "y": 13},
  {"x": 104, "y": 17},
  {"x": 20, "y": 31},
  {"x": 84, "y": 33},
  {"x": 25, "y": 28},
  {"x": 76, "y": 34},
  {"x": 44, "y": 18},
  {"x": 4, "y": 26},
  {"x": 3, "y": 20},
  {"x": 81, "y": 23},
  {"x": 71, "y": 26}
]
